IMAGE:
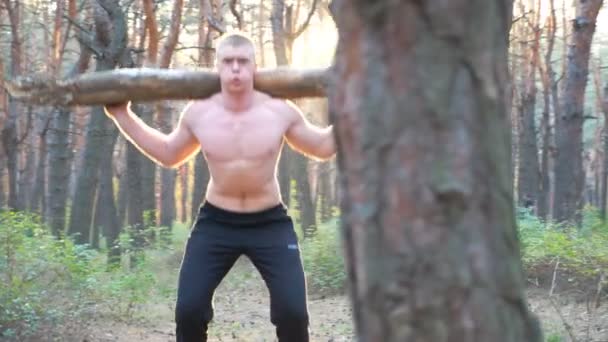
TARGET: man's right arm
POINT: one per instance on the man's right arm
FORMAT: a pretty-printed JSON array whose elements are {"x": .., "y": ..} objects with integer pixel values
[{"x": 169, "y": 150}]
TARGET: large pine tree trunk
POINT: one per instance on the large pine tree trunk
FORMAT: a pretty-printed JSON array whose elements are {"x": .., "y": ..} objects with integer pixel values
[
  {"x": 569, "y": 174},
  {"x": 420, "y": 107}
]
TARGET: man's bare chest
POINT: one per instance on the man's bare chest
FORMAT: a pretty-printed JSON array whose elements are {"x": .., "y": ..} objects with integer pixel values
[{"x": 229, "y": 138}]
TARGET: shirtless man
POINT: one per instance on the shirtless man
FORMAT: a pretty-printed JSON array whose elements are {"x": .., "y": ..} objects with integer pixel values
[{"x": 240, "y": 132}]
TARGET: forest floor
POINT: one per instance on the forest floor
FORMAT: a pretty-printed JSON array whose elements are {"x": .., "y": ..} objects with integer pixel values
[{"x": 242, "y": 314}]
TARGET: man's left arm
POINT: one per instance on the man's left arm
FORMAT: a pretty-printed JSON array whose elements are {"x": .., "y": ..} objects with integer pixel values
[{"x": 310, "y": 140}]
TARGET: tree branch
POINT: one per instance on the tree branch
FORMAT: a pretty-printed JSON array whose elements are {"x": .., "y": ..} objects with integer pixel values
[
  {"x": 148, "y": 84},
  {"x": 213, "y": 23},
  {"x": 237, "y": 15},
  {"x": 305, "y": 24}
]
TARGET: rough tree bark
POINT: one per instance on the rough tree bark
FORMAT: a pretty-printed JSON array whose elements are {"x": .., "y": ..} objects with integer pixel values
[
  {"x": 569, "y": 175},
  {"x": 419, "y": 102}
]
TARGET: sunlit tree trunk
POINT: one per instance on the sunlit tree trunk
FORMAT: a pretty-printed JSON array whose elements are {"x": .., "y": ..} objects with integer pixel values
[{"x": 420, "y": 103}]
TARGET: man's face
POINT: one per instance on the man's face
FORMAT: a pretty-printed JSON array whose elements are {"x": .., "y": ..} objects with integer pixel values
[{"x": 236, "y": 67}]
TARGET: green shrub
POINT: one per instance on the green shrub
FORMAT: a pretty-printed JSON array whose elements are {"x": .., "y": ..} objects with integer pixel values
[
  {"x": 50, "y": 283},
  {"x": 323, "y": 258},
  {"x": 583, "y": 250}
]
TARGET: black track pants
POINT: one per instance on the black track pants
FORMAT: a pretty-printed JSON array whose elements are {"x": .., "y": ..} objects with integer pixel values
[{"x": 217, "y": 240}]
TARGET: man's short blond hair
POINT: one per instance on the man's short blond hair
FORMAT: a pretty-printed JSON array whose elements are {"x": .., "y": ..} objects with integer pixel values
[{"x": 235, "y": 39}]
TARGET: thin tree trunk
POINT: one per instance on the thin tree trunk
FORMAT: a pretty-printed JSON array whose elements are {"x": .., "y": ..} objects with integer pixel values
[
  {"x": 569, "y": 174},
  {"x": 423, "y": 140},
  {"x": 37, "y": 201},
  {"x": 604, "y": 177},
  {"x": 27, "y": 173},
  {"x": 304, "y": 196},
  {"x": 107, "y": 214},
  {"x": 184, "y": 176},
  {"x": 123, "y": 192},
  {"x": 135, "y": 208},
  {"x": 10, "y": 129},
  {"x": 528, "y": 173},
  {"x": 205, "y": 58},
  {"x": 165, "y": 119},
  {"x": 59, "y": 160},
  {"x": 547, "y": 138},
  {"x": 281, "y": 57},
  {"x": 292, "y": 165},
  {"x": 2, "y": 190},
  {"x": 199, "y": 189},
  {"x": 324, "y": 198},
  {"x": 3, "y": 114},
  {"x": 261, "y": 31}
]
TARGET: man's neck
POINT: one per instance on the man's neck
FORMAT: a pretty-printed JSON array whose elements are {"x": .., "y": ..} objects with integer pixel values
[{"x": 238, "y": 102}]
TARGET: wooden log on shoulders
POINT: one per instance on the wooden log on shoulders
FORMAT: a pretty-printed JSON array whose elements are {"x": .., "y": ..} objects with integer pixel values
[{"x": 149, "y": 84}]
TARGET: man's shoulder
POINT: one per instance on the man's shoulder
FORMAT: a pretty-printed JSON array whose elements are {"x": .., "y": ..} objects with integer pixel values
[
  {"x": 199, "y": 106},
  {"x": 206, "y": 103},
  {"x": 279, "y": 105}
]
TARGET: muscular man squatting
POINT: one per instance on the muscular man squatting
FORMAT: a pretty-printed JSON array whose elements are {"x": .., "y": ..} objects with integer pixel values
[{"x": 241, "y": 132}]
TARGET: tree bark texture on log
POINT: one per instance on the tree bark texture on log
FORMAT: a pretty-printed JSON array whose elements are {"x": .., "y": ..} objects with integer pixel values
[{"x": 149, "y": 84}]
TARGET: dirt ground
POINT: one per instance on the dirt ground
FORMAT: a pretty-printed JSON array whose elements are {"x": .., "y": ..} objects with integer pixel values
[{"x": 242, "y": 314}]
